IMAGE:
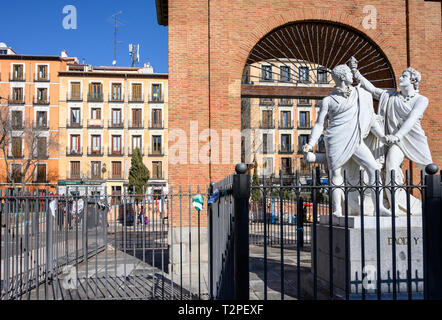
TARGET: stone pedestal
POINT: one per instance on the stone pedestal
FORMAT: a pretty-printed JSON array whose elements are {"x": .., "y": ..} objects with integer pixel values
[{"x": 356, "y": 275}]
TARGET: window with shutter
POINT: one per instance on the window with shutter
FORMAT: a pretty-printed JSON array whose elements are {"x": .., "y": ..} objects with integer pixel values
[
  {"x": 75, "y": 90},
  {"x": 16, "y": 172},
  {"x": 17, "y": 147},
  {"x": 41, "y": 172},
  {"x": 42, "y": 147},
  {"x": 136, "y": 118},
  {"x": 116, "y": 169},
  {"x": 75, "y": 169},
  {"x": 136, "y": 92}
]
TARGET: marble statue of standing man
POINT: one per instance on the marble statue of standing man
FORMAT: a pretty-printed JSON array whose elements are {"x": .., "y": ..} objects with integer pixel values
[
  {"x": 402, "y": 111},
  {"x": 350, "y": 115}
]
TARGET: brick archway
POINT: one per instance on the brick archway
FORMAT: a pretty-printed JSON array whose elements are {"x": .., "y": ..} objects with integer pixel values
[{"x": 317, "y": 14}]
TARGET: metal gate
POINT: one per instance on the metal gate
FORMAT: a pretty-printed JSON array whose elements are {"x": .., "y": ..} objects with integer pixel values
[{"x": 353, "y": 257}]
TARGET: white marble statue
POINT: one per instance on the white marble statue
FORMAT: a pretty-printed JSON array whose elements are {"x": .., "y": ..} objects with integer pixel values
[
  {"x": 401, "y": 113},
  {"x": 351, "y": 118}
]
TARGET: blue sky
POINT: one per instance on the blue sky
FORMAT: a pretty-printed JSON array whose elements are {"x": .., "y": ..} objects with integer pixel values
[{"x": 36, "y": 27}]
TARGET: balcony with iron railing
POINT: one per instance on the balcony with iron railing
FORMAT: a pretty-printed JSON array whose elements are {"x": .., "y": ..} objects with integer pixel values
[
  {"x": 136, "y": 98},
  {"x": 40, "y": 180},
  {"x": 269, "y": 124},
  {"x": 285, "y": 124},
  {"x": 116, "y": 97},
  {"x": 95, "y": 123},
  {"x": 95, "y": 152},
  {"x": 71, "y": 152},
  {"x": 266, "y": 102},
  {"x": 41, "y": 101},
  {"x": 16, "y": 154},
  {"x": 42, "y": 153},
  {"x": 286, "y": 148},
  {"x": 91, "y": 175},
  {"x": 130, "y": 151},
  {"x": 158, "y": 98},
  {"x": 115, "y": 124},
  {"x": 304, "y": 103},
  {"x": 116, "y": 175},
  {"x": 156, "y": 152},
  {"x": 304, "y": 124},
  {"x": 111, "y": 152},
  {"x": 285, "y": 102},
  {"x": 40, "y": 125},
  {"x": 94, "y": 97},
  {"x": 17, "y": 99},
  {"x": 17, "y": 125},
  {"x": 74, "y": 97},
  {"x": 16, "y": 77},
  {"x": 136, "y": 124},
  {"x": 156, "y": 125},
  {"x": 41, "y": 78},
  {"x": 157, "y": 175},
  {"x": 74, "y": 124}
]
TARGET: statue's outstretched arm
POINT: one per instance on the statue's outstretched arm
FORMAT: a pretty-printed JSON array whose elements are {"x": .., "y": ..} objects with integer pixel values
[{"x": 367, "y": 85}]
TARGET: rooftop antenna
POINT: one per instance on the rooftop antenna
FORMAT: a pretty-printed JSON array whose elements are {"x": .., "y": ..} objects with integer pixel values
[
  {"x": 115, "y": 17},
  {"x": 134, "y": 53}
]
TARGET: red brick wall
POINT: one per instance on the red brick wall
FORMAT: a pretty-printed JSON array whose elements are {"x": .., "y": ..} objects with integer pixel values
[{"x": 236, "y": 26}]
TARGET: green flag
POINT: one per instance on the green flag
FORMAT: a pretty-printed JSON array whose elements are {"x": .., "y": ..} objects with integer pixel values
[{"x": 197, "y": 202}]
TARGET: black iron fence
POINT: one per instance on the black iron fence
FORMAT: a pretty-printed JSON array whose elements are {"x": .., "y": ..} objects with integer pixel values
[
  {"x": 78, "y": 244},
  {"x": 299, "y": 248},
  {"x": 275, "y": 240}
]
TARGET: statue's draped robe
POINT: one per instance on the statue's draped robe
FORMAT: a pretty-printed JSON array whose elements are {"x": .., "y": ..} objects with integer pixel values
[
  {"x": 348, "y": 124},
  {"x": 395, "y": 111}
]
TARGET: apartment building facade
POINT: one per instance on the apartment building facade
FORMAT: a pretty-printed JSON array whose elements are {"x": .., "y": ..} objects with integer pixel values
[
  {"x": 105, "y": 114},
  {"x": 29, "y": 91},
  {"x": 281, "y": 127}
]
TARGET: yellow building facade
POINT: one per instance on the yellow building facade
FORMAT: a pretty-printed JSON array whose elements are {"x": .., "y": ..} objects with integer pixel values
[
  {"x": 105, "y": 114},
  {"x": 281, "y": 127}
]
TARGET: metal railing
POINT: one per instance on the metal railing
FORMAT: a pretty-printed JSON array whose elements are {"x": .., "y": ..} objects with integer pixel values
[
  {"x": 115, "y": 124},
  {"x": 115, "y": 153},
  {"x": 18, "y": 100},
  {"x": 136, "y": 98},
  {"x": 80, "y": 245},
  {"x": 286, "y": 124},
  {"x": 16, "y": 77},
  {"x": 38, "y": 125},
  {"x": 95, "y": 123},
  {"x": 269, "y": 124},
  {"x": 286, "y": 148},
  {"x": 91, "y": 151},
  {"x": 296, "y": 218},
  {"x": 116, "y": 97},
  {"x": 138, "y": 124},
  {"x": 304, "y": 124},
  {"x": 94, "y": 97},
  {"x": 41, "y": 101},
  {"x": 156, "y": 99},
  {"x": 74, "y": 97},
  {"x": 159, "y": 152},
  {"x": 74, "y": 152},
  {"x": 76, "y": 124},
  {"x": 156, "y": 125}
]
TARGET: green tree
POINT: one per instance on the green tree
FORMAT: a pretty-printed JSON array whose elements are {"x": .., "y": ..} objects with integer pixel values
[
  {"x": 138, "y": 173},
  {"x": 256, "y": 193}
]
